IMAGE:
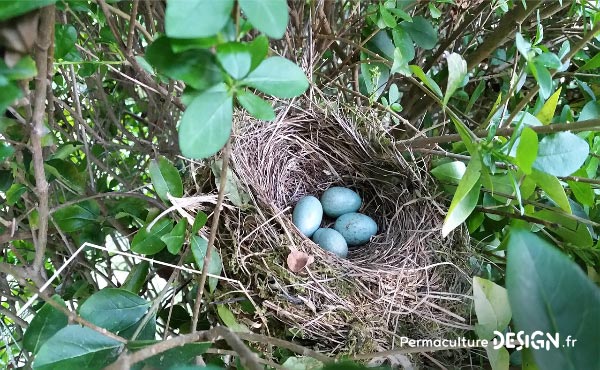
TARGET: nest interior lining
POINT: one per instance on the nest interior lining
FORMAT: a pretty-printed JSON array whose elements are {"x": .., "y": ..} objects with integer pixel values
[{"x": 398, "y": 284}]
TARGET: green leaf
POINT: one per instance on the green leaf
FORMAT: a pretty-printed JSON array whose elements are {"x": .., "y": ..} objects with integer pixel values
[
  {"x": 77, "y": 216},
  {"x": 570, "y": 230},
  {"x": 582, "y": 191},
  {"x": 561, "y": 154},
  {"x": 593, "y": 63},
  {"x": 24, "y": 69},
  {"x": 422, "y": 32},
  {"x": 68, "y": 173},
  {"x": 114, "y": 309},
  {"x": 149, "y": 242},
  {"x": 428, "y": 81},
  {"x": 303, "y": 363},
  {"x": 435, "y": 12},
  {"x": 491, "y": 307},
  {"x": 47, "y": 322},
  {"x": 11, "y": 9},
  {"x": 457, "y": 70},
  {"x": 137, "y": 277},
  {"x": 279, "y": 77},
  {"x": 268, "y": 16},
  {"x": 553, "y": 189},
  {"x": 259, "y": 47},
  {"x": 527, "y": 149},
  {"x": 524, "y": 47},
  {"x": 450, "y": 172},
  {"x": 387, "y": 17},
  {"x": 591, "y": 110},
  {"x": 499, "y": 358},
  {"x": 543, "y": 77},
  {"x": 255, "y": 105},
  {"x": 14, "y": 193},
  {"x": 215, "y": 266},
  {"x": 188, "y": 19},
  {"x": 548, "y": 60},
  {"x": 8, "y": 94},
  {"x": 195, "y": 67},
  {"x": 229, "y": 320},
  {"x": 76, "y": 347},
  {"x": 547, "y": 112},
  {"x": 550, "y": 293},
  {"x": 400, "y": 64},
  {"x": 6, "y": 151},
  {"x": 465, "y": 198},
  {"x": 65, "y": 37},
  {"x": 206, "y": 124},
  {"x": 185, "y": 354},
  {"x": 476, "y": 94},
  {"x": 199, "y": 221},
  {"x": 233, "y": 188},
  {"x": 165, "y": 178},
  {"x": 235, "y": 58},
  {"x": 174, "y": 239},
  {"x": 375, "y": 77}
]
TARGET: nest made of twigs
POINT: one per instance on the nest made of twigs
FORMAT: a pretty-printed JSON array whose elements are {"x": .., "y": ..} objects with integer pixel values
[{"x": 405, "y": 282}]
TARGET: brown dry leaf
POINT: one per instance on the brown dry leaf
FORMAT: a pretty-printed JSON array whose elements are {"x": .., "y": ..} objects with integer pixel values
[{"x": 297, "y": 260}]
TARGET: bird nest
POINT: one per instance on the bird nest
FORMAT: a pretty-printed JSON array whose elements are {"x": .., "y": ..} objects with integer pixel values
[{"x": 406, "y": 281}]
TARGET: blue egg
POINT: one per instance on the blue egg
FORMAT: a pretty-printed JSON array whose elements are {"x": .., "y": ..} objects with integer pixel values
[
  {"x": 338, "y": 201},
  {"x": 307, "y": 215},
  {"x": 356, "y": 228},
  {"x": 331, "y": 241}
]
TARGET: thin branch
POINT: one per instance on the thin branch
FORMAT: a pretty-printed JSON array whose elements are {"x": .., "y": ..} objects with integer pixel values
[
  {"x": 213, "y": 233},
  {"x": 37, "y": 121},
  {"x": 547, "y": 129}
]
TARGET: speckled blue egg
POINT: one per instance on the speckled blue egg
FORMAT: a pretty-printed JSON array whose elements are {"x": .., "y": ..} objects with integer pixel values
[
  {"x": 307, "y": 215},
  {"x": 356, "y": 228},
  {"x": 331, "y": 241},
  {"x": 337, "y": 201}
]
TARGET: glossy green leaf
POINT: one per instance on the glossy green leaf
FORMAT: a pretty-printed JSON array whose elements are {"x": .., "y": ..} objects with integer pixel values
[
  {"x": 561, "y": 154},
  {"x": 148, "y": 332},
  {"x": 206, "y": 124},
  {"x": 185, "y": 354},
  {"x": 450, "y": 172},
  {"x": 10, "y": 9},
  {"x": 174, "y": 239},
  {"x": 24, "y": 69},
  {"x": 548, "y": 60},
  {"x": 255, "y": 105},
  {"x": 567, "y": 228},
  {"x": 46, "y": 322},
  {"x": 465, "y": 198},
  {"x": 491, "y": 307},
  {"x": 6, "y": 151},
  {"x": 544, "y": 79},
  {"x": 527, "y": 149},
  {"x": 428, "y": 81},
  {"x": 499, "y": 358},
  {"x": 546, "y": 114},
  {"x": 14, "y": 193},
  {"x": 215, "y": 266},
  {"x": 195, "y": 67},
  {"x": 8, "y": 94},
  {"x": 523, "y": 46},
  {"x": 421, "y": 31},
  {"x": 457, "y": 70},
  {"x": 259, "y": 47},
  {"x": 228, "y": 318},
  {"x": 165, "y": 178},
  {"x": 582, "y": 191},
  {"x": 400, "y": 64},
  {"x": 387, "y": 17},
  {"x": 553, "y": 189},
  {"x": 137, "y": 277},
  {"x": 233, "y": 188},
  {"x": 550, "y": 293},
  {"x": 77, "y": 216},
  {"x": 593, "y": 63},
  {"x": 114, "y": 309},
  {"x": 268, "y": 16},
  {"x": 67, "y": 173},
  {"x": 591, "y": 110},
  {"x": 76, "y": 347},
  {"x": 382, "y": 44},
  {"x": 65, "y": 37},
  {"x": 235, "y": 58},
  {"x": 199, "y": 221},
  {"x": 149, "y": 242},
  {"x": 188, "y": 19},
  {"x": 475, "y": 96},
  {"x": 279, "y": 77}
]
